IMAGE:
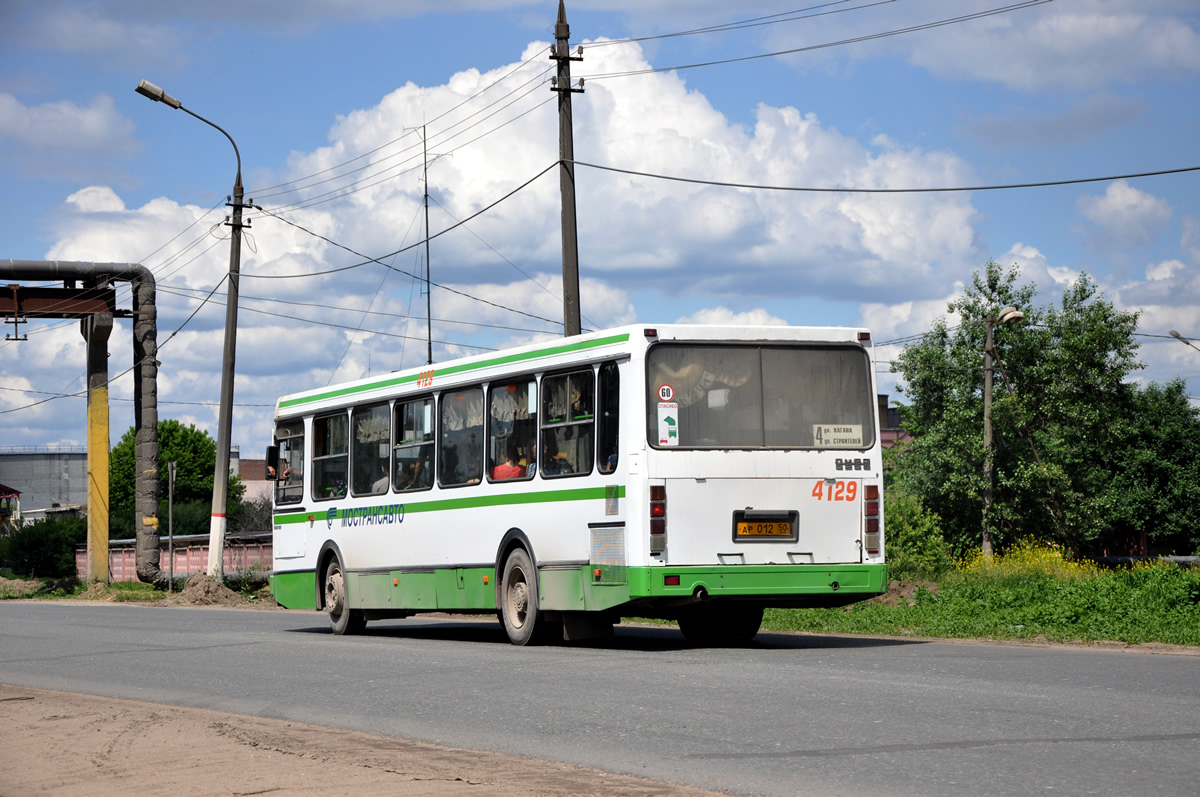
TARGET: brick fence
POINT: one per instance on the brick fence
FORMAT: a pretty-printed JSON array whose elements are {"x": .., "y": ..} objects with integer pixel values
[{"x": 242, "y": 553}]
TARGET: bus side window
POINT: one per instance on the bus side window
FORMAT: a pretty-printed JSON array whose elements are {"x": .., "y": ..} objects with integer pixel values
[
  {"x": 412, "y": 466},
  {"x": 330, "y": 457},
  {"x": 512, "y": 430},
  {"x": 370, "y": 446},
  {"x": 460, "y": 452},
  {"x": 568, "y": 423},
  {"x": 610, "y": 413},
  {"x": 289, "y": 468}
]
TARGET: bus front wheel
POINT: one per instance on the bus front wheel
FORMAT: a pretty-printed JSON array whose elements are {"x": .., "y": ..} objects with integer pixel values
[
  {"x": 342, "y": 619},
  {"x": 520, "y": 613}
]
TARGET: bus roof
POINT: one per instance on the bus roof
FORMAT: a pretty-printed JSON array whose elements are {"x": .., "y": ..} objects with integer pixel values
[{"x": 547, "y": 354}]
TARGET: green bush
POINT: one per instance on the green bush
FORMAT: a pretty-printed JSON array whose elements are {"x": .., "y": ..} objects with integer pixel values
[
  {"x": 914, "y": 545},
  {"x": 44, "y": 548}
]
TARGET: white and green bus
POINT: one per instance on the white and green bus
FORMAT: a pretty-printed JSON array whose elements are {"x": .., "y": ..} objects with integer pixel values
[{"x": 687, "y": 472}]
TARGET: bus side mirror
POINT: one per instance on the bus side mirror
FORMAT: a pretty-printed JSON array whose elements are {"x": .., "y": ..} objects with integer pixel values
[{"x": 272, "y": 459}]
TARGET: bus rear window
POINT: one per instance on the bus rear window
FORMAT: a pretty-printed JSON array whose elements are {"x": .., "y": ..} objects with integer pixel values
[{"x": 752, "y": 396}]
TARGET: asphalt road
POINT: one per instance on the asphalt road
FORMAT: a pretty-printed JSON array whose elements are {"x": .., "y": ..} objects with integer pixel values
[{"x": 790, "y": 715}]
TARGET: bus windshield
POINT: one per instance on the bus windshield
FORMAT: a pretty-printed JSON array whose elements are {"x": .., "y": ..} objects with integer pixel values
[{"x": 759, "y": 396}]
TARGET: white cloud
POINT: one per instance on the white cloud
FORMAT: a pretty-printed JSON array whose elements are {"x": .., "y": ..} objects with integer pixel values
[
  {"x": 1084, "y": 45},
  {"x": 65, "y": 128},
  {"x": 1036, "y": 268},
  {"x": 1158, "y": 272},
  {"x": 1124, "y": 216},
  {"x": 636, "y": 234},
  {"x": 725, "y": 316}
]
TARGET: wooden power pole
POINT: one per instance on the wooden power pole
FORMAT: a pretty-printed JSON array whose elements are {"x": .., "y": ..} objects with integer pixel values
[{"x": 566, "y": 154}]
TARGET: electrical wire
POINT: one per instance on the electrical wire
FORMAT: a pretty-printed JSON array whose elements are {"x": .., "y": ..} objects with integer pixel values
[
  {"x": 130, "y": 368},
  {"x": 517, "y": 268},
  {"x": 368, "y": 260},
  {"x": 260, "y": 193},
  {"x": 184, "y": 292},
  {"x": 811, "y": 189},
  {"x": 754, "y": 22},
  {"x": 827, "y": 45}
]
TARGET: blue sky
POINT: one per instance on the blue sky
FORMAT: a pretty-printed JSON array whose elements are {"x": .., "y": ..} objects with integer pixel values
[{"x": 1058, "y": 90}]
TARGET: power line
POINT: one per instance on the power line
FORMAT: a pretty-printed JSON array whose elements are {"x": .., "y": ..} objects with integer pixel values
[
  {"x": 517, "y": 268},
  {"x": 378, "y": 260},
  {"x": 754, "y": 22},
  {"x": 261, "y": 192},
  {"x": 826, "y": 45},
  {"x": 356, "y": 186},
  {"x": 810, "y": 189},
  {"x": 110, "y": 380},
  {"x": 120, "y": 398}
]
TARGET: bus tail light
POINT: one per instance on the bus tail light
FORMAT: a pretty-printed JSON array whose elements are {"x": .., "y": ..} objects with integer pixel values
[
  {"x": 871, "y": 519},
  {"x": 658, "y": 518}
]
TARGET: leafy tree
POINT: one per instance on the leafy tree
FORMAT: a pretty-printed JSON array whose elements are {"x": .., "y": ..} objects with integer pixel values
[
  {"x": 196, "y": 456},
  {"x": 1082, "y": 456},
  {"x": 44, "y": 548}
]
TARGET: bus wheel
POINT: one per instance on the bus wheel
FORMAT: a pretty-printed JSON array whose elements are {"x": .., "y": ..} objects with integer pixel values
[
  {"x": 342, "y": 619},
  {"x": 522, "y": 617},
  {"x": 721, "y": 625}
]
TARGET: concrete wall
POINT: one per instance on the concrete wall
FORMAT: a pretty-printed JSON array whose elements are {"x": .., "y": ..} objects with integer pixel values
[{"x": 45, "y": 476}]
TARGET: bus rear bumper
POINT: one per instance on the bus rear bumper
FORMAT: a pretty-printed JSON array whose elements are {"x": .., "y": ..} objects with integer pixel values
[{"x": 776, "y": 585}]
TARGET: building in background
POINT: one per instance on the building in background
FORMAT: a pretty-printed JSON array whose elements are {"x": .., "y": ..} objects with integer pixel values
[
  {"x": 49, "y": 480},
  {"x": 891, "y": 428}
]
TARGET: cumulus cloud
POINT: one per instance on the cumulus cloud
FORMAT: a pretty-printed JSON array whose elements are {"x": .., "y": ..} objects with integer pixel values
[
  {"x": 724, "y": 316},
  {"x": 313, "y": 310},
  {"x": 1081, "y": 46},
  {"x": 65, "y": 129},
  {"x": 1124, "y": 216}
]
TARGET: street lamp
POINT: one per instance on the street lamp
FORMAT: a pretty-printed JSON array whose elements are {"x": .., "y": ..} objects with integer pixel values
[
  {"x": 218, "y": 523},
  {"x": 1182, "y": 339},
  {"x": 1009, "y": 315}
]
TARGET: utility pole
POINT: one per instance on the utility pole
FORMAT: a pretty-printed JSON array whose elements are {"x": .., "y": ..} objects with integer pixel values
[
  {"x": 218, "y": 524},
  {"x": 566, "y": 154},
  {"x": 1009, "y": 315},
  {"x": 428, "y": 293}
]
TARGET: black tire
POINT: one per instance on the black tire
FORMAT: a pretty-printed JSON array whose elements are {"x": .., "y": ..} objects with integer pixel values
[
  {"x": 721, "y": 625},
  {"x": 523, "y": 619},
  {"x": 342, "y": 619}
]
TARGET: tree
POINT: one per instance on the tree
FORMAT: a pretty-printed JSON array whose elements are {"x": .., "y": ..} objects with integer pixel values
[
  {"x": 1077, "y": 450},
  {"x": 195, "y": 455},
  {"x": 44, "y": 548}
]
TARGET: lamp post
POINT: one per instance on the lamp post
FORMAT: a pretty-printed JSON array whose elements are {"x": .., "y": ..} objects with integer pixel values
[
  {"x": 1009, "y": 315},
  {"x": 1182, "y": 339},
  {"x": 217, "y": 524}
]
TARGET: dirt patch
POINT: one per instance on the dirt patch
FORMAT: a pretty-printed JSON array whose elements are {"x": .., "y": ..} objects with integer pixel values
[
  {"x": 97, "y": 591},
  {"x": 904, "y": 592},
  {"x": 202, "y": 590},
  {"x": 102, "y": 746},
  {"x": 18, "y": 586}
]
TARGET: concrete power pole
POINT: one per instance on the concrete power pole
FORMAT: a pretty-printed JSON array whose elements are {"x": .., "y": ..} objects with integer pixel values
[{"x": 566, "y": 153}]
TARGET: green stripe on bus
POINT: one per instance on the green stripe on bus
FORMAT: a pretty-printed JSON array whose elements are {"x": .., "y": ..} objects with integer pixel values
[
  {"x": 468, "y": 502},
  {"x": 506, "y": 359}
]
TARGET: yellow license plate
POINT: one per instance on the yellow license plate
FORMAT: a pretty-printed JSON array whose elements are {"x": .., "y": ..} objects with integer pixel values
[{"x": 772, "y": 528}]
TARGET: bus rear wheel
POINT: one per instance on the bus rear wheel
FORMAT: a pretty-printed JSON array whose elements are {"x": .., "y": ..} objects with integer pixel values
[
  {"x": 721, "y": 625},
  {"x": 523, "y": 619},
  {"x": 342, "y": 619}
]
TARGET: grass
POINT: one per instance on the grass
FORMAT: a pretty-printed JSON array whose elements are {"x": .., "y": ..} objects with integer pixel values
[{"x": 1032, "y": 592}]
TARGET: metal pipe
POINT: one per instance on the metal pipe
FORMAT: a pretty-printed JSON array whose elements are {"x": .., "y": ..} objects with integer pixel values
[{"x": 145, "y": 400}]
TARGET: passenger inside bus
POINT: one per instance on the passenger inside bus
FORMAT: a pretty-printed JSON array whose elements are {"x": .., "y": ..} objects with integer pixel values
[
  {"x": 509, "y": 469},
  {"x": 553, "y": 463}
]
